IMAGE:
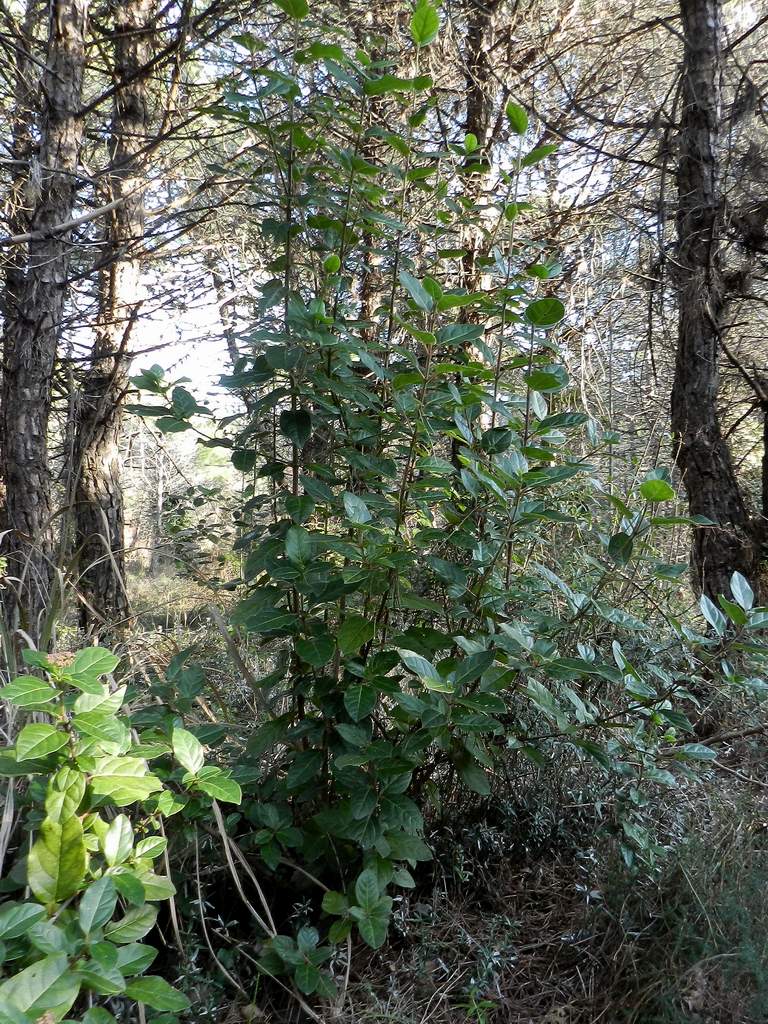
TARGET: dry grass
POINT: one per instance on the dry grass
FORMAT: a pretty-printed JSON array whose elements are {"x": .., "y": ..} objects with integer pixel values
[{"x": 689, "y": 948}]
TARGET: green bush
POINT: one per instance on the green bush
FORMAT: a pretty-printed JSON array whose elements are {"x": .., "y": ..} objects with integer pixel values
[
  {"x": 429, "y": 555},
  {"x": 90, "y": 868}
]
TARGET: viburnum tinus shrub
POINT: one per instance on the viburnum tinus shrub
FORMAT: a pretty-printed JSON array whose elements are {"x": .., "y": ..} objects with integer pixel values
[
  {"x": 430, "y": 561},
  {"x": 84, "y": 890}
]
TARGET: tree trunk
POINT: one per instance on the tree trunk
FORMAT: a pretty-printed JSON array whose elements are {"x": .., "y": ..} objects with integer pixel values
[
  {"x": 99, "y": 514},
  {"x": 33, "y": 325},
  {"x": 701, "y": 452},
  {"x": 480, "y": 90}
]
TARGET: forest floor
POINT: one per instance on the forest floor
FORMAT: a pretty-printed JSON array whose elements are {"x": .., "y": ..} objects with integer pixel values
[{"x": 577, "y": 940}]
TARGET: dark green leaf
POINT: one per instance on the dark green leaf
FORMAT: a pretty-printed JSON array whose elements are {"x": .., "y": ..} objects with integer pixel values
[
  {"x": 296, "y": 426},
  {"x": 157, "y": 993},
  {"x": 294, "y": 9}
]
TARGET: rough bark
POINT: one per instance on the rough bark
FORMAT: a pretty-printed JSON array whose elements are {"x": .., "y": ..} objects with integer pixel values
[
  {"x": 99, "y": 513},
  {"x": 33, "y": 321},
  {"x": 701, "y": 451},
  {"x": 480, "y": 90}
]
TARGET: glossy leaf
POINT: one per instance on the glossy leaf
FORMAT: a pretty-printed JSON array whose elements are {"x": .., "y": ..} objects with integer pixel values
[
  {"x": 154, "y": 991},
  {"x": 97, "y": 904},
  {"x": 188, "y": 750},
  {"x": 56, "y": 863},
  {"x": 38, "y": 740}
]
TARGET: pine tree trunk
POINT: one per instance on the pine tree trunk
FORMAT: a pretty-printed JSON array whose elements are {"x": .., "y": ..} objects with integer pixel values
[
  {"x": 35, "y": 305},
  {"x": 99, "y": 513},
  {"x": 480, "y": 89},
  {"x": 701, "y": 451}
]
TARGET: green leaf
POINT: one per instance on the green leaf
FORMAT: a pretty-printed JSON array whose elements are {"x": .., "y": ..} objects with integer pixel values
[
  {"x": 296, "y": 426},
  {"x": 184, "y": 404},
  {"x": 425, "y": 23},
  {"x": 425, "y": 670},
  {"x": 171, "y": 425},
  {"x": 698, "y": 752},
  {"x": 32, "y": 657},
  {"x": 373, "y": 910},
  {"x": 102, "y": 726},
  {"x": 98, "y": 1015},
  {"x": 474, "y": 778},
  {"x": 354, "y": 632},
  {"x": 134, "y": 958},
  {"x": 299, "y": 507},
  {"x": 517, "y": 117},
  {"x": 356, "y": 509},
  {"x": 12, "y": 1015},
  {"x": 335, "y": 903},
  {"x": 306, "y": 765},
  {"x": 97, "y": 904},
  {"x": 102, "y": 700},
  {"x": 188, "y": 750},
  {"x": 294, "y": 9},
  {"x": 123, "y": 779},
  {"x": 217, "y": 784},
  {"x": 393, "y": 83},
  {"x": 742, "y": 591},
  {"x": 538, "y": 154},
  {"x": 38, "y": 741},
  {"x": 554, "y": 379},
  {"x": 16, "y": 918},
  {"x": 307, "y": 977},
  {"x": 28, "y": 691},
  {"x": 49, "y": 985},
  {"x": 244, "y": 460},
  {"x": 359, "y": 701},
  {"x": 471, "y": 668},
  {"x": 367, "y": 890},
  {"x": 93, "y": 661},
  {"x": 128, "y": 885},
  {"x": 299, "y": 545},
  {"x": 315, "y": 650},
  {"x": 118, "y": 840},
  {"x": 416, "y": 290},
  {"x": 713, "y": 615},
  {"x": 403, "y": 846},
  {"x": 657, "y": 490},
  {"x": 57, "y": 860},
  {"x": 157, "y": 887},
  {"x": 736, "y": 614},
  {"x": 620, "y": 548},
  {"x": 374, "y": 927},
  {"x": 151, "y": 847},
  {"x": 157, "y": 993},
  {"x": 545, "y": 313},
  {"x": 133, "y": 926},
  {"x": 321, "y": 51}
]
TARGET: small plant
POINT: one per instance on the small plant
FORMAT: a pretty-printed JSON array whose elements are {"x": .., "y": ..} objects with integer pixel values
[
  {"x": 477, "y": 1008},
  {"x": 93, "y": 813}
]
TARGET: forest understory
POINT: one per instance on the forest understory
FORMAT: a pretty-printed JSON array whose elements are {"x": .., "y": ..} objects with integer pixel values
[{"x": 383, "y": 512}]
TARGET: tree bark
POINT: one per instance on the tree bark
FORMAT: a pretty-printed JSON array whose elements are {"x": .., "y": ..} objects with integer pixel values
[
  {"x": 701, "y": 452},
  {"x": 99, "y": 512},
  {"x": 480, "y": 89},
  {"x": 33, "y": 322}
]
